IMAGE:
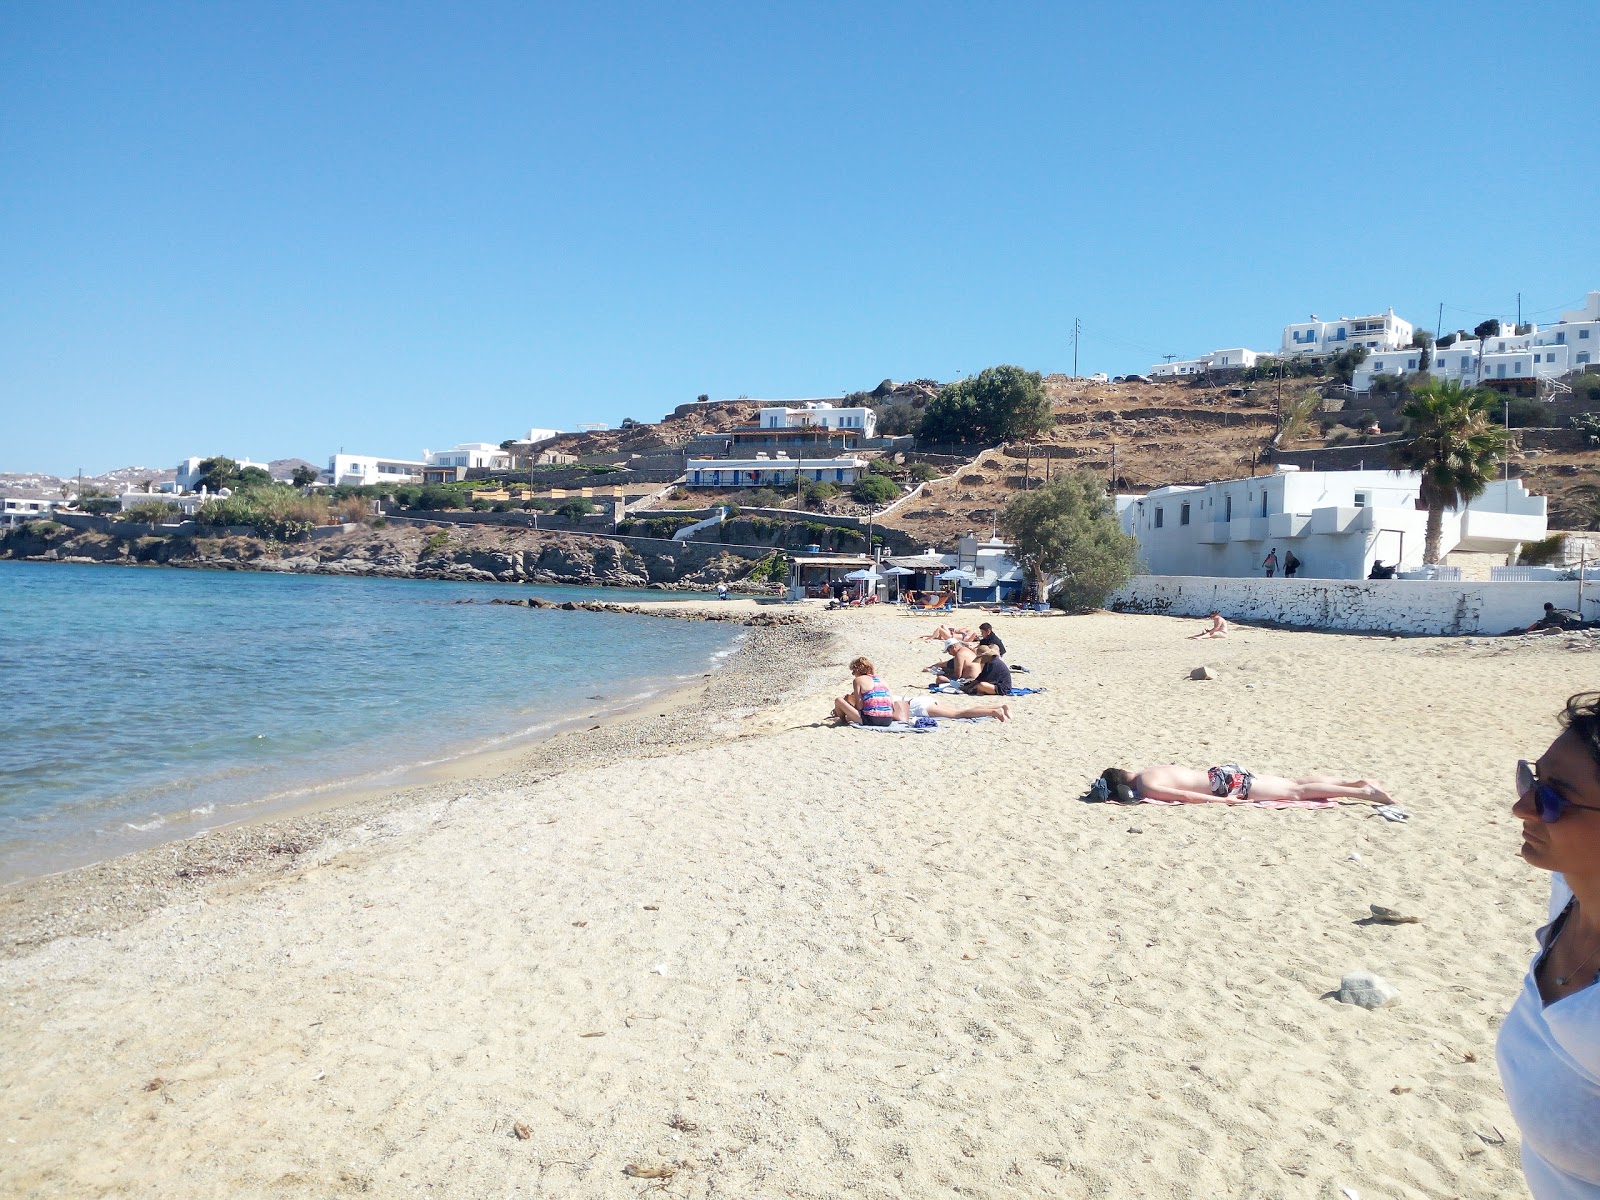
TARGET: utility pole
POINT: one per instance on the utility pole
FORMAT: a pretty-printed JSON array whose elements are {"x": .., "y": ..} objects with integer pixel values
[
  {"x": 1076, "y": 330},
  {"x": 1438, "y": 327},
  {"x": 1169, "y": 357},
  {"x": 1505, "y": 462},
  {"x": 1519, "y": 312},
  {"x": 1113, "y": 468}
]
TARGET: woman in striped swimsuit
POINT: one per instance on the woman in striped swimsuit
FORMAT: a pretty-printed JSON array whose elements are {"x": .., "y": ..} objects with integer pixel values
[{"x": 869, "y": 702}]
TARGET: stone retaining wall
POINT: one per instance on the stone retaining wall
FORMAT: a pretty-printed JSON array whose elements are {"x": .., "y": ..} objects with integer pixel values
[{"x": 1383, "y": 605}]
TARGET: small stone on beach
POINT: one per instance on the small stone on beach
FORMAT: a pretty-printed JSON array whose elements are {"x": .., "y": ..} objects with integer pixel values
[
  {"x": 1390, "y": 916},
  {"x": 1366, "y": 990},
  {"x": 1202, "y": 673}
]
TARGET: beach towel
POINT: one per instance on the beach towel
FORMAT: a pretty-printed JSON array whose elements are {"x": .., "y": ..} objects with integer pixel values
[
  {"x": 1248, "y": 803},
  {"x": 954, "y": 689},
  {"x": 920, "y": 725}
]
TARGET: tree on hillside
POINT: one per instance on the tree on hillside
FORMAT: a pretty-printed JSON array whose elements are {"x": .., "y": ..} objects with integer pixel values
[
  {"x": 1345, "y": 362},
  {"x": 876, "y": 490},
  {"x": 1069, "y": 529},
  {"x": 217, "y": 473},
  {"x": 1486, "y": 329},
  {"x": 1000, "y": 404},
  {"x": 304, "y": 476},
  {"x": 1422, "y": 340},
  {"x": 1452, "y": 439}
]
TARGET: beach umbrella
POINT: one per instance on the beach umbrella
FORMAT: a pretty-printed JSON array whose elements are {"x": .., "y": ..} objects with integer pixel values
[
  {"x": 863, "y": 573},
  {"x": 958, "y": 573}
]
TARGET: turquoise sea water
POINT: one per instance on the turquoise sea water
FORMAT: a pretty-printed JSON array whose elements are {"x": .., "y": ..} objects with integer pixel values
[{"x": 148, "y": 704}]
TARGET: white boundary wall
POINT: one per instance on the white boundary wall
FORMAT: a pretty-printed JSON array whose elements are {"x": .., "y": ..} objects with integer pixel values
[{"x": 1388, "y": 605}]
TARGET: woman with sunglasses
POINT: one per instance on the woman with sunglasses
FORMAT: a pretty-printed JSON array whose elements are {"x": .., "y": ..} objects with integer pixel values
[{"x": 1549, "y": 1046}]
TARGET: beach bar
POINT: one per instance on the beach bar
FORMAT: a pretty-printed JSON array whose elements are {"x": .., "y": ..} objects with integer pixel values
[{"x": 815, "y": 576}]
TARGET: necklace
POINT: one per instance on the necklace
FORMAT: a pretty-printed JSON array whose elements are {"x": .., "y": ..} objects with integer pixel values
[{"x": 1561, "y": 980}]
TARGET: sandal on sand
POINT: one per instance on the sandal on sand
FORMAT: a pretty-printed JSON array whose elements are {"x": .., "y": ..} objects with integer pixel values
[{"x": 1391, "y": 812}]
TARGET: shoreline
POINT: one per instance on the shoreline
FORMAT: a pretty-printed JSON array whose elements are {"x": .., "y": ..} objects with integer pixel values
[
  {"x": 96, "y": 898},
  {"x": 787, "y": 958}
]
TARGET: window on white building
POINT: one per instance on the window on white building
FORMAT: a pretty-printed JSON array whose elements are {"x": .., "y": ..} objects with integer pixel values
[
  {"x": 1263, "y": 502},
  {"x": 1227, "y": 508},
  {"x": 1582, "y": 334},
  {"x": 1159, "y": 517},
  {"x": 1561, "y": 339},
  {"x": 1183, "y": 514},
  {"x": 1583, "y": 356},
  {"x": 1361, "y": 499}
]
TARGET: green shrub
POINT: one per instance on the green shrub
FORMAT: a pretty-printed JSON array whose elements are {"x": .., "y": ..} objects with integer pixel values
[
  {"x": 1541, "y": 553},
  {"x": 1525, "y": 411},
  {"x": 435, "y": 542},
  {"x": 922, "y": 472},
  {"x": 874, "y": 490},
  {"x": 816, "y": 491},
  {"x": 480, "y": 506},
  {"x": 150, "y": 512},
  {"x": 880, "y": 466},
  {"x": 576, "y": 510}
]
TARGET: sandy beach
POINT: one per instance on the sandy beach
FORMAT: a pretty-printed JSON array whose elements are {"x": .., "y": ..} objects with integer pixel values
[{"x": 766, "y": 957}]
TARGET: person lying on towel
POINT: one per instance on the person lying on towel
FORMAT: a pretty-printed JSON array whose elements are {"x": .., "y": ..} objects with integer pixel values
[{"x": 1231, "y": 784}]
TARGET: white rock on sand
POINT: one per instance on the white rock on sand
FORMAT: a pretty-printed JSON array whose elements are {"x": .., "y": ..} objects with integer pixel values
[{"x": 994, "y": 987}]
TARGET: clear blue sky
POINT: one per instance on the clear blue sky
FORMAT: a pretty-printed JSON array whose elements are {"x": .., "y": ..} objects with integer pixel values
[{"x": 275, "y": 229}]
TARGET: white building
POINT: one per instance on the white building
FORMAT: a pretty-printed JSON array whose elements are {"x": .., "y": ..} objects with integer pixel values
[
  {"x": 1578, "y": 331},
  {"x": 1336, "y": 522},
  {"x": 189, "y": 471},
  {"x": 1380, "y": 331},
  {"x": 1507, "y": 356},
  {"x": 484, "y": 455},
  {"x": 1235, "y": 358},
  {"x": 801, "y": 414},
  {"x": 16, "y": 509},
  {"x": 346, "y": 470},
  {"x": 774, "y": 471},
  {"x": 541, "y": 435}
]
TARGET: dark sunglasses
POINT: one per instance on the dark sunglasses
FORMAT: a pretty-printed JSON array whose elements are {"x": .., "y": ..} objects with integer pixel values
[{"x": 1546, "y": 799}]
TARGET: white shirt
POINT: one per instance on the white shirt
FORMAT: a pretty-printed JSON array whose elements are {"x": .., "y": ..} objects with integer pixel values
[{"x": 1549, "y": 1059}]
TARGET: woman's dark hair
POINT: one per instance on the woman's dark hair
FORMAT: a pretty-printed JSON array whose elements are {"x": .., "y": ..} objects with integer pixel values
[{"x": 1582, "y": 717}]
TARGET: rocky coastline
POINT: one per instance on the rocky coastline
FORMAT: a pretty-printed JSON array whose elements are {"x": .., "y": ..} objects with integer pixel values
[{"x": 484, "y": 554}]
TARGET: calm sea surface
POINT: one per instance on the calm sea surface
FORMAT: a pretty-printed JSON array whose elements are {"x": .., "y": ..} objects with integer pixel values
[{"x": 143, "y": 705}]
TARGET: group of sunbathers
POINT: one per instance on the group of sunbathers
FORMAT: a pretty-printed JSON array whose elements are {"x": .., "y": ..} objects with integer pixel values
[
  {"x": 976, "y": 659},
  {"x": 868, "y": 702},
  {"x": 975, "y": 663}
]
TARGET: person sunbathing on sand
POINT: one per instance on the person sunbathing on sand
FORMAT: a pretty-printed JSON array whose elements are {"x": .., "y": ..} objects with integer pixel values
[
  {"x": 946, "y": 632},
  {"x": 1232, "y": 784},
  {"x": 1217, "y": 628},
  {"x": 909, "y": 708},
  {"x": 962, "y": 663}
]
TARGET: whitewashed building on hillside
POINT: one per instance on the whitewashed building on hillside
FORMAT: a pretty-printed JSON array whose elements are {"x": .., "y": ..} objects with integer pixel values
[
  {"x": 541, "y": 435},
  {"x": 189, "y": 471},
  {"x": 1235, "y": 358},
  {"x": 1336, "y": 522},
  {"x": 799, "y": 414},
  {"x": 774, "y": 471},
  {"x": 345, "y": 470},
  {"x": 1578, "y": 331},
  {"x": 1380, "y": 331},
  {"x": 484, "y": 455}
]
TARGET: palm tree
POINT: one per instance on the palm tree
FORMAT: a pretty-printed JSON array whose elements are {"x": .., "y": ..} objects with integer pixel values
[
  {"x": 1451, "y": 438},
  {"x": 1585, "y": 502}
]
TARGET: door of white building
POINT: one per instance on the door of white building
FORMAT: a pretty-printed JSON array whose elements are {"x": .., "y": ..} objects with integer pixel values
[{"x": 1389, "y": 546}]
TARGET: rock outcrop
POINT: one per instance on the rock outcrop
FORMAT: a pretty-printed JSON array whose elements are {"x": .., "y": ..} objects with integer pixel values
[{"x": 470, "y": 553}]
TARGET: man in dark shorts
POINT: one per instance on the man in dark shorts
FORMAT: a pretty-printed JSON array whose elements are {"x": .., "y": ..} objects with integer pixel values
[
  {"x": 991, "y": 638},
  {"x": 1555, "y": 619},
  {"x": 994, "y": 677}
]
